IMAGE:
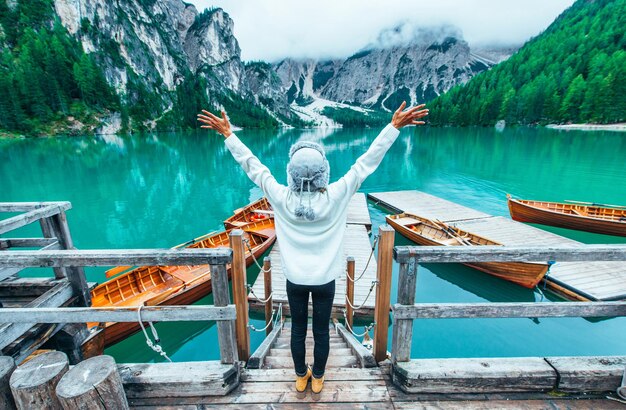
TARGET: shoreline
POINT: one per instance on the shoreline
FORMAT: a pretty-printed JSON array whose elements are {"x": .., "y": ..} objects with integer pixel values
[{"x": 589, "y": 127}]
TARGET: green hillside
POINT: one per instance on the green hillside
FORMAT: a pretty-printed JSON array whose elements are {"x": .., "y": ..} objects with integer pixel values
[{"x": 575, "y": 71}]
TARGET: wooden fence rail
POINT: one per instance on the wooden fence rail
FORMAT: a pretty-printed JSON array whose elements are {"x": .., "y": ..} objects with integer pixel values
[{"x": 409, "y": 258}]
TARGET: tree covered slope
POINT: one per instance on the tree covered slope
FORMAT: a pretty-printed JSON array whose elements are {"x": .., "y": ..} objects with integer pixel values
[{"x": 575, "y": 71}]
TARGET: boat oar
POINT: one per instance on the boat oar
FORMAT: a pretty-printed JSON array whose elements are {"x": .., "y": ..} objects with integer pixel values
[
  {"x": 595, "y": 204},
  {"x": 454, "y": 234}
]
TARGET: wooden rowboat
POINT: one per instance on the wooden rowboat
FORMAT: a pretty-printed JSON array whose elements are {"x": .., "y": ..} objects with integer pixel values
[
  {"x": 254, "y": 212},
  {"x": 172, "y": 285},
  {"x": 427, "y": 232},
  {"x": 590, "y": 218}
]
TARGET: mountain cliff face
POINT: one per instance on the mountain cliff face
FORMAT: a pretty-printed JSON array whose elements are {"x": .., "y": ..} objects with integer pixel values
[{"x": 384, "y": 74}]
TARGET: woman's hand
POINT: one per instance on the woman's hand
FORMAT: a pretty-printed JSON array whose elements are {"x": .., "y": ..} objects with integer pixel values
[
  {"x": 221, "y": 125},
  {"x": 409, "y": 117}
]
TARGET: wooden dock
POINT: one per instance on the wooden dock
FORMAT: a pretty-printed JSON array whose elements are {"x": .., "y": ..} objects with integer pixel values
[
  {"x": 356, "y": 244},
  {"x": 575, "y": 280}
]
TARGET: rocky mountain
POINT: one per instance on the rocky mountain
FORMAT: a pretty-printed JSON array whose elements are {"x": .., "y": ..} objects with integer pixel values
[{"x": 416, "y": 67}]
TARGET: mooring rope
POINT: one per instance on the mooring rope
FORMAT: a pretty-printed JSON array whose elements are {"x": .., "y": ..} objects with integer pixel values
[
  {"x": 545, "y": 281},
  {"x": 367, "y": 264},
  {"x": 256, "y": 262},
  {"x": 152, "y": 345},
  {"x": 273, "y": 320},
  {"x": 367, "y": 328},
  {"x": 374, "y": 283},
  {"x": 255, "y": 295}
]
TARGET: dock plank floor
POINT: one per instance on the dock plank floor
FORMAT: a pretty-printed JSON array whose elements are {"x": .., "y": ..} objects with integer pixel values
[
  {"x": 356, "y": 244},
  {"x": 593, "y": 280}
]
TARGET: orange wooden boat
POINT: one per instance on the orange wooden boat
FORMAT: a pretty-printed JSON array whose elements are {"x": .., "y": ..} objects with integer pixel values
[
  {"x": 171, "y": 285},
  {"x": 590, "y": 218},
  {"x": 254, "y": 212},
  {"x": 427, "y": 232}
]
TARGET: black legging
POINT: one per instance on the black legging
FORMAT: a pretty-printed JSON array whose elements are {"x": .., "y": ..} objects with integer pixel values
[{"x": 298, "y": 296}]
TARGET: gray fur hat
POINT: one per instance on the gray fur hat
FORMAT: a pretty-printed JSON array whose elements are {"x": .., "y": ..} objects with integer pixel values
[{"x": 308, "y": 169}]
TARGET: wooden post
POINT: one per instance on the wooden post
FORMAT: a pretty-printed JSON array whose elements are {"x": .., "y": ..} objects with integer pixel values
[
  {"x": 403, "y": 328},
  {"x": 350, "y": 290},
  {"x": 56, "y": 226},
  {"x": 33, "y": 387},
  {"x": 240, "y": 294},
  {"x": 69, "y": 340},
  {"x": 7, "y": 366},
  {"x": 92, "y": 384},
  {"x": 225, "y": 329},
  {"x": 383, "y": 291},
  {"x": 46, "y": 229},
  {"x": 269, "y": 305}
]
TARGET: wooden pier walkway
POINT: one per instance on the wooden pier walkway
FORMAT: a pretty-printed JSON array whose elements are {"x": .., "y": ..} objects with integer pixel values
[
  {"x": 356, "y": 244},
  {"x": 574, "y": 280}
]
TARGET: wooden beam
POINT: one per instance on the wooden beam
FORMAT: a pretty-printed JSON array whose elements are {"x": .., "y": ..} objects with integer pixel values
[
  {"x": 509, "y": 310},
  {"x": 267, "y": 282},
  {"x": 240, "y": 294},
  {"x": 225, "y": 329},
  {"x": 402, "y": 337},
  {"x": 29, "y": 206},
  {"x": 589, "y": 373},
  {"x": 383, "y": 291},
  {"x": 29, "y": 217},
  {"x": 116, "y": 314},
  {"x": 7, "y": 272},
  {"x": 115, "y": 257},
  {"x": 56, "y": 296},
  {"x": 363, "y": 355},
  {"x": 350, "y": 290},
  {"x": 258, "y": 357},
  {"x": 26, "y": 242},
  {"x": 463, "y": 254}
]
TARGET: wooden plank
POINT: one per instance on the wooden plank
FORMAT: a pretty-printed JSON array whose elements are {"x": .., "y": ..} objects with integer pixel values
[
  {"x": 402, "y": 337},
  {"x": 509, "y": 309},
  {"x": 258, "y": 357},
  {"x": 483, "y": 375},
  {"x": 333, "y": 373},
  {"x": 25, "y": 242},
  {"x": 30, "y": 206},
  {"x": 56, "y": 296},
  {"x": 462, "y": 254},
  {"x": 116, "y": 314},
  {"x": 363, "y": 355},
  {"x": 386, "y": 236},
  {"x": 182, "y": 379},
  {"x": 283, "y": 362},
  {"x": 225, "y": 329},
  {"x": 589, "y": 374},
  {"x": 8, "y": 272},
  {"x": 510, "y": 404},
  {"x": 238, "y": 274},
  {"x": 29, "y": 217},
  {"x": 357, "y": 211},
  {"x": 425, "y": 205},
  {"x": 114, "y": 257},
  {"x": 361, "y": 391}
]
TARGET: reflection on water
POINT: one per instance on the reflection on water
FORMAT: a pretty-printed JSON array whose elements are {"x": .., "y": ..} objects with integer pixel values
[{"x": 160, "y": 190}]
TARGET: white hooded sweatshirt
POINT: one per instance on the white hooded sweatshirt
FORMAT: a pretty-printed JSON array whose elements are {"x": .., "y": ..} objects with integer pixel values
[{"x": 312, "y": 251}]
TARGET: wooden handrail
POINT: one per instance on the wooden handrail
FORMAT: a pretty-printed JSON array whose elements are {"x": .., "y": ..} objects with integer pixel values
[
  {"x": 463, "y": 254},
  {"x": 114, "y": 257}
]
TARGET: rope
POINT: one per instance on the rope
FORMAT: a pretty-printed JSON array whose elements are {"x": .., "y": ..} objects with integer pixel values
[
  {"x": 374, "y": 282},
  {"x": 258, "y": 298},
  {"x": 256, "y": 262},
  {"x": 545, "y": 281},
  {"x": 367, "y": 328},
  {"x": 366, "y": 265},
  {"x": 152, "y": 345},
  {"x": 251, "y": 326}
]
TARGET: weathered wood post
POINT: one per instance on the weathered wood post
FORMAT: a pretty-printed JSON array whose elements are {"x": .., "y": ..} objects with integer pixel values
[
  {"x": 225, "y": 328},
  {"x": 7, "y": 366},
  {"x": 92, "y": 384},
  {"x": 56, "y": 226},
  {"x": 240, "y": 294},
  {"x": 350, "y": 290},
  {"x": 269, "y": 305},
  {"x": 33, "y": 384},
  {"x": 383, "y": 291},
  {"x": 402, "y": 336}
]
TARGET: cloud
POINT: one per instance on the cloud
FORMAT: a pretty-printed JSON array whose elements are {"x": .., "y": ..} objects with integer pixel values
[{"x": 272, "y": 29}]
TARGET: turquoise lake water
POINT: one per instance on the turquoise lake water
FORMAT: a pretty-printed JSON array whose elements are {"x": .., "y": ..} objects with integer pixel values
[{"x": 160, "y": 190}]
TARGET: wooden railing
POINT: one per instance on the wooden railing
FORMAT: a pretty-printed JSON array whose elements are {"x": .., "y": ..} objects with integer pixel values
[
  {"x": 409, "y": 258},
  {"x": 223, "y": 311}
]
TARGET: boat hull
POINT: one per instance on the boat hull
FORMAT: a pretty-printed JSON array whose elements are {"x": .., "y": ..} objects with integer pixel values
[
  {"x": 522, "y": 212},
  {"x": 524, "y": 274}
]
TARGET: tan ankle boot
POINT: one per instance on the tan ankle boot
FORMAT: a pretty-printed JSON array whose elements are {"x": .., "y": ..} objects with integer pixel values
[
  {"x": 317, "y": 384},
  {"x": 301, "y": 381}
]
